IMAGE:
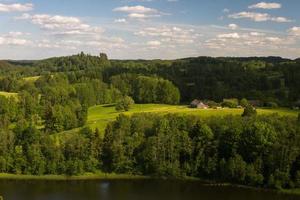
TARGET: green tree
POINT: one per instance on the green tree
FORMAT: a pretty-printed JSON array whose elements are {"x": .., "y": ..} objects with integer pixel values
[
  {"x": 244, "y": 103},
  {"x": 249, "y": 111},
  {"x": 124, "y": 104}
]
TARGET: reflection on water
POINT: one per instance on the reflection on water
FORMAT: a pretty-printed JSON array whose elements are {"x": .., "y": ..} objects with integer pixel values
[{"x": 130, "y": 190}]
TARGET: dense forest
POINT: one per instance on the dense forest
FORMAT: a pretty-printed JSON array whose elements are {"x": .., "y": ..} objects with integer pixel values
[
  {"x": 52, "y": 96},
  {"x": 256, "y": 151},
  {"x": 268, "y": 79}
]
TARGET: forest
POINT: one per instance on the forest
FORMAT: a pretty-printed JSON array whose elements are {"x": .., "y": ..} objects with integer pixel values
[{"x": 47, "y": 97}]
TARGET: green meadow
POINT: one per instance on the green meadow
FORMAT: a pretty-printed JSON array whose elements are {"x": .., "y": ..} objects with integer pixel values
[
  {"x": 31, "y": 78},
  {"x": 100, "y": 116},
  {"x": 8, "y": 94}
]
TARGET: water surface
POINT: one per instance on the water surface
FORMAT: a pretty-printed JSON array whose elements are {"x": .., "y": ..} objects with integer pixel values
[{"x": 130, "y": 190}]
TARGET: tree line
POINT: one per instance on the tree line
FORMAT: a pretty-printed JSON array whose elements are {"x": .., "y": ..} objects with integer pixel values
[
  {"x": 268, "y": 79},
  {"x": 257, "y": 151},
  {"x": 261, "y": 151}
]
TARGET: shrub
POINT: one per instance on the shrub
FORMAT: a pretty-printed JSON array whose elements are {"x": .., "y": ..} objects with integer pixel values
[
  {"x": 249, "y": 111},
  {"x": 231, "y": 103},
  {"x": 124, "y": 104},
  {"x": 244, "y": 102}
]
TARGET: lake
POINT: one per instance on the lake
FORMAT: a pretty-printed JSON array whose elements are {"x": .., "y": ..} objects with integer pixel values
[{"x": 130, "y": 190}]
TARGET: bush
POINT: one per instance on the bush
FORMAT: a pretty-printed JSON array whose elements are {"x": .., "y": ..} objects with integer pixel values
[
  {"x": 124, "y": 104},
  {"x": 249, "y": 111},
  {"x": 212, "y": 104},
  {"x": 230, "y": 103},
  {"x": 244, "y": 102}
]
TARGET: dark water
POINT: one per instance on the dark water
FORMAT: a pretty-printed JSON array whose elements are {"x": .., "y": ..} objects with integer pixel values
[{"x": 129, "y": 190}]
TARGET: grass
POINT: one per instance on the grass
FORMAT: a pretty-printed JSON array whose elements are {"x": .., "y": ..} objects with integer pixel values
[
  {"x": 86, "y": 176},
  {"x": 31, "y": 78},
  {"x": 9, "y": 94},
  {"x": 100, "y": 116}
]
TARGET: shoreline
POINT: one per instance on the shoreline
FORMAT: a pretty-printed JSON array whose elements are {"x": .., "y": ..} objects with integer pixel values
[
  {"x": 109, "y": 176},
  {"x": 87, "y": 176}
]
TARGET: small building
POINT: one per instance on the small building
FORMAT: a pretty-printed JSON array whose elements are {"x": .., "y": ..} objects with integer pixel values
[{"x": 198, "y": 104}]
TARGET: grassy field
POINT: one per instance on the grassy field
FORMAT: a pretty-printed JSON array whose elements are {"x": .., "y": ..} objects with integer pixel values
[
  {"x": 9, "y": 94},
  {"x": 31, "y": 78},
  {"x": 100, "y": 116}
]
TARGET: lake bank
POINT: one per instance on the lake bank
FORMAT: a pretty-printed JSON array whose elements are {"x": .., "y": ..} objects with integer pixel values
[{"x": 87, "y": 176}]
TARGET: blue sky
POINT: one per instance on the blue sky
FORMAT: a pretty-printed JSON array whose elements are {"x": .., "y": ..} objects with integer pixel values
[{"x": 149, "y": 29}]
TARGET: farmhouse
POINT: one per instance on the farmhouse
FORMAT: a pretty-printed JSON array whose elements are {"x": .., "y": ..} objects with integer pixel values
[{"x": 198, "y": 104}]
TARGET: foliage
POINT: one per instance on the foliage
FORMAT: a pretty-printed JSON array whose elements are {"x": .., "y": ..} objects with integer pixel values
[
  {"x": 124, "y": 104},
  {"x": 42, "y": 131},
  {"x": 249, "y": 111},
  {"x": 147, "y": 89},
  {"x": 272, "y": 104},
  {"x": 230, "y": 103},
  {"x": 244, "y": 103},
  {"x": 178, "y": 146}
]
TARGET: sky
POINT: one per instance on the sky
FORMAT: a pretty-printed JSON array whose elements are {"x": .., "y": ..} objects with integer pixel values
[{"x": 149, "y": 29}]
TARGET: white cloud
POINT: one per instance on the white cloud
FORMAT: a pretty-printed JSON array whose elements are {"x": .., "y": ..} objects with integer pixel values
[
  {"x": 135, "y": 9},
  {"x": 170, "y": 34},
  {"x": 122, "y": 20},
  {"x": 16, "y": 7},
  {"x": 264, "y": 5},
  {"x": 62, "y": 25},
  {"x": 295, "y": 31},
  {"x": 229, "y": 36},
  {"x": 14, "y": 39},
  {"x": 256, "y": 34},
  {"x": 139, "y": 12},
  {"x": 258, "y": 17},
  {"x": 233, "y": 26},
  {"x": 154, "y": 43},
  {"x": 71, "y": 34},
  {"x": 248, "y": 41}
]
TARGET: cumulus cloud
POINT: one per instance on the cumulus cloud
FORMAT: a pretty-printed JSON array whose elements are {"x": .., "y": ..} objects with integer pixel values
[
  {"x": 248, "y": 40},
  {"x": 16, "y": 7},
  {"x": 14, "y": 39},
  {"x": 135, "y": 9},
  {"x": 264, "y": 5},
  {"x": 154, "y": 43},
  {"x": 233, "y": 26},
  {"x": 71, "y": 33},
  {"x": 229, "y": 36},
  {"x": 61, "y": 25},
  {"x": 139, "y": 12},
  {"x": 295, "y": 31},
  {"x": 258, "y": 17},
  {"x": 122, "y": 20},
  {"x": 170, "y": 34}
]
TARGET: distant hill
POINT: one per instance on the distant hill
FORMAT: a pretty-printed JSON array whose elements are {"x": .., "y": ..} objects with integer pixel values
[{"x": 4, "y": 64}]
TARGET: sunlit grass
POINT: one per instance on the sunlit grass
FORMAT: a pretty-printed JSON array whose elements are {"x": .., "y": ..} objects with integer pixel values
[
  {"x": 100, "y": 116},
  {"x": 9, "y": 94},
  {"x": 31, "y": 78}
]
